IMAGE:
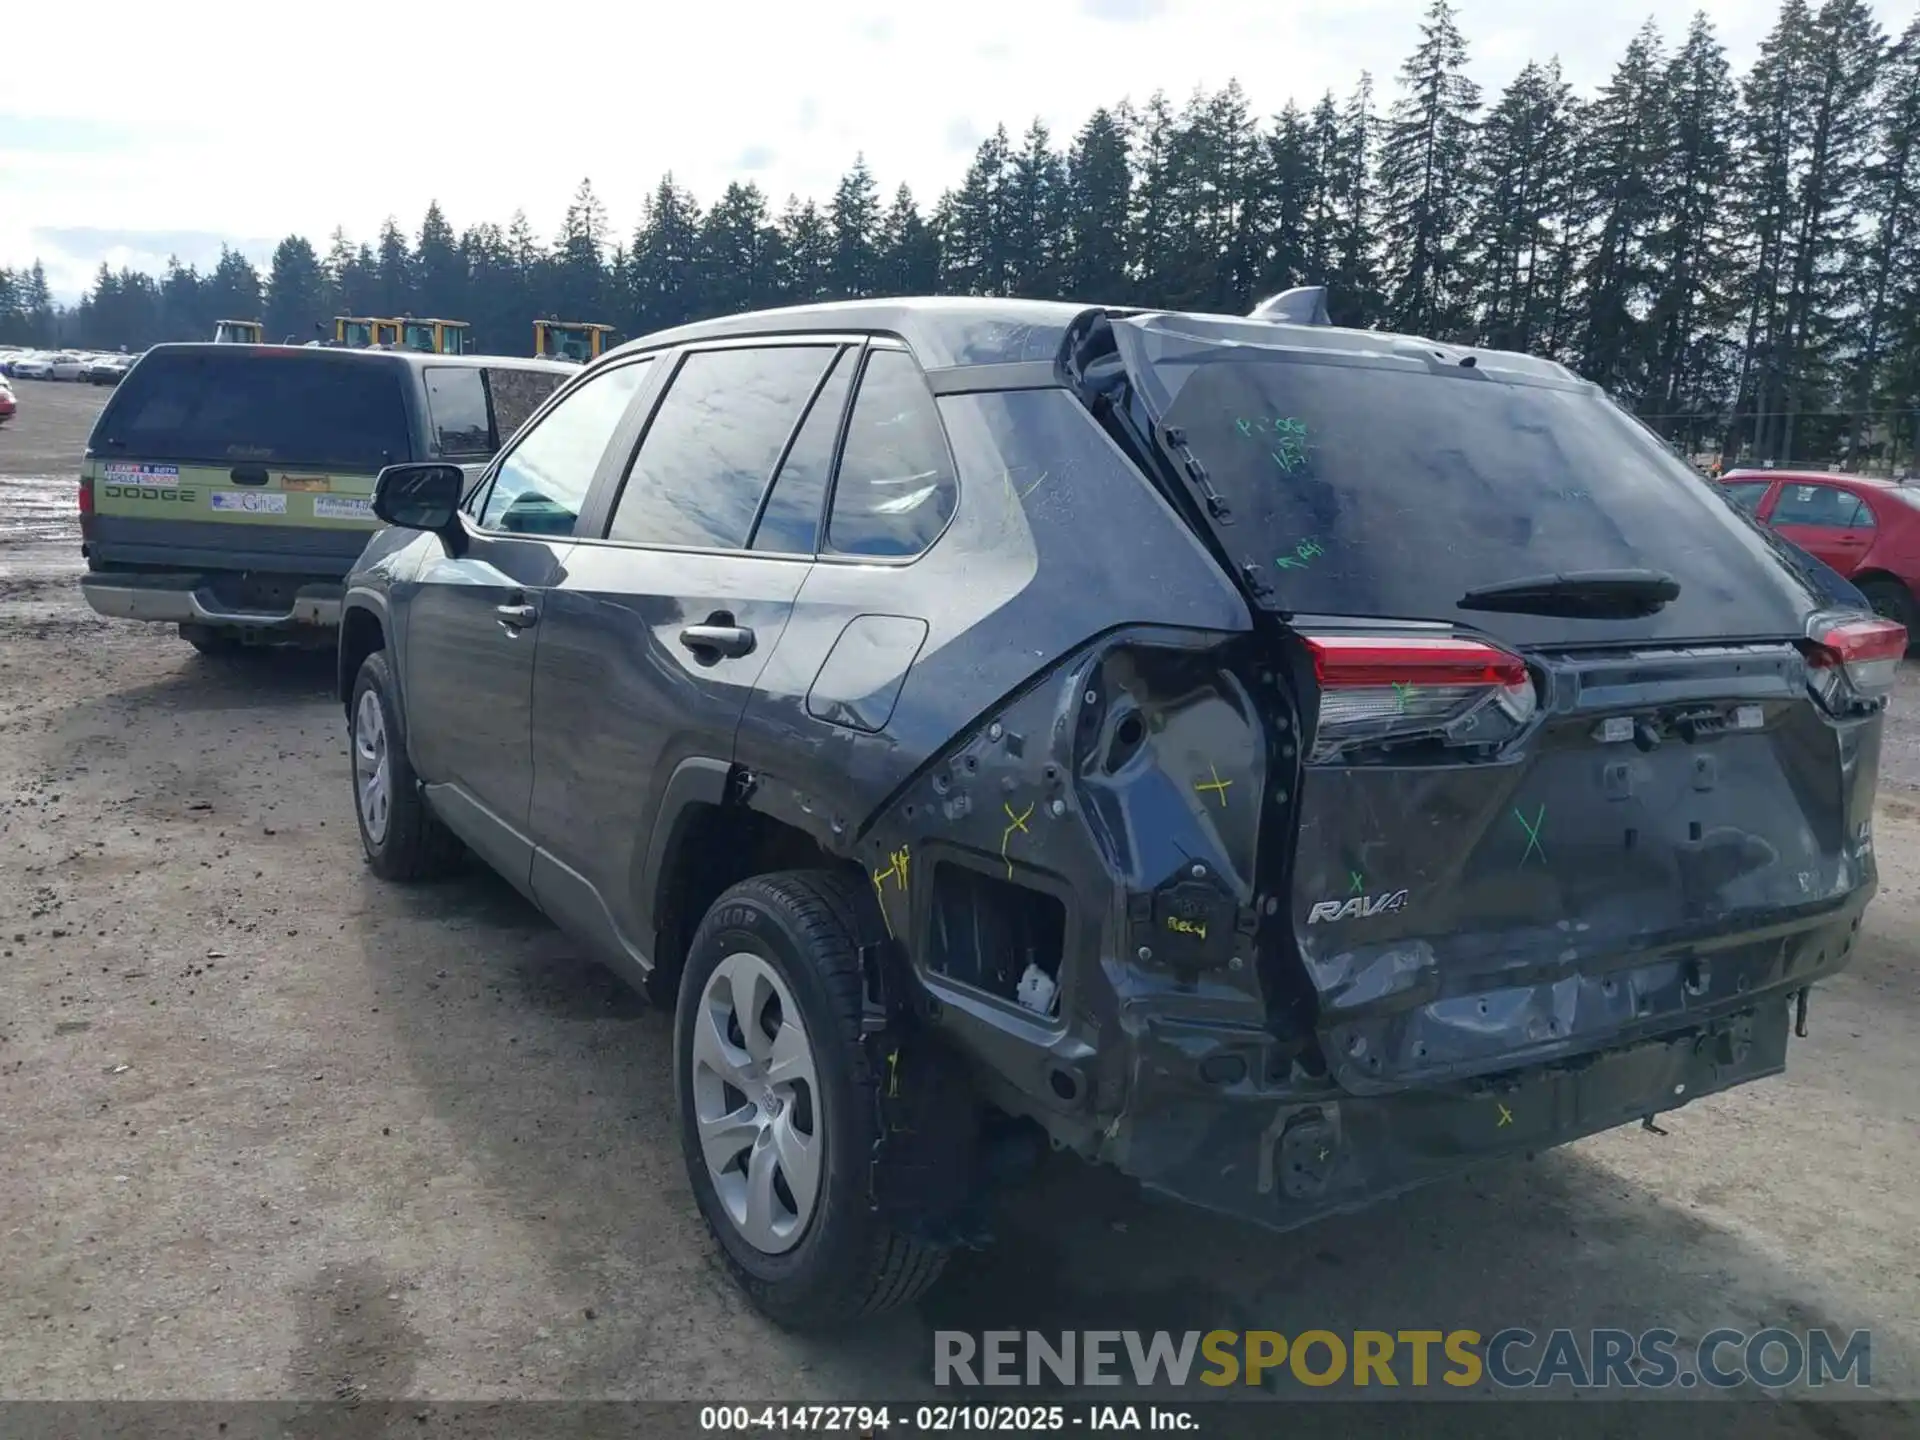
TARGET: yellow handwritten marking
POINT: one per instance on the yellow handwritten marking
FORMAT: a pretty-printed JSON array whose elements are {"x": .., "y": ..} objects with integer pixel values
[
  {"x": 1020, "y": 824},
  {"x": 893, "y": 1074},
  {"x": 1187, "y": 927},
  {"x": 896, "y": 871},
  {"x": 1215, "y": 784},
  {"x": 1506, "y": 1117}
]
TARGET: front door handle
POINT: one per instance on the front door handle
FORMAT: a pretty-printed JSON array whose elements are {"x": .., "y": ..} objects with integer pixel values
[
  {"x": 515, "y": 618},
  {"x": 714, "y": 641}
]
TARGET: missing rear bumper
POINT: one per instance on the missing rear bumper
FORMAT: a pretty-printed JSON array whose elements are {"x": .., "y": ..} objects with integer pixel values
[{"x": 1283, "y": 1161}]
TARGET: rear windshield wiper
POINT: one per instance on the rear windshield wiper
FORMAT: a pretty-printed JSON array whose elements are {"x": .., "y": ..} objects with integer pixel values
[{"x": 1587, "y": 594}]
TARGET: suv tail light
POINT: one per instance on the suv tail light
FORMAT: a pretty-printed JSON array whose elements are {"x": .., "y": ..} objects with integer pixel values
[
  {"x": 86, "y": 506},
  {"x": 1852, "y": 659},
  {"x": 1394, "y": 687}
]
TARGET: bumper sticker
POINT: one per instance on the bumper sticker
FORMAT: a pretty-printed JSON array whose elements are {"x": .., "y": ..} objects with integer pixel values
[
  {"x": 167, "y": 475},
  {"x": 341, "y": 507},
  {"x": 306, "y": 482},
  {"x": 257, "y": 502}
]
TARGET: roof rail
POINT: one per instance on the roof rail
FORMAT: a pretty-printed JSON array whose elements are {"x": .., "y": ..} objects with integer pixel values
[{"x": 1302, "y": 305}]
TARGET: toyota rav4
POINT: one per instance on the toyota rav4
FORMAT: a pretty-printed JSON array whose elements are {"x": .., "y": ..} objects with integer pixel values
[{"x": 1286, "y": 763}]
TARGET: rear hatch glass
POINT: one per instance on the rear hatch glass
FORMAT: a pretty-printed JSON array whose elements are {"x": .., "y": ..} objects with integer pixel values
[
  {"x": 238, "y": 405},
  {"x": 1382, "y": 485}
]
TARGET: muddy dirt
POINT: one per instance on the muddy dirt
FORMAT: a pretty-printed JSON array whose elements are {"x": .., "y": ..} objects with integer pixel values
[{"x": 273, "y": 1129}]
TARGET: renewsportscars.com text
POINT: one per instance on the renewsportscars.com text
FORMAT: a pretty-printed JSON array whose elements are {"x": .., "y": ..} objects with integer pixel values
[{"x": 1510, "y": 1359}]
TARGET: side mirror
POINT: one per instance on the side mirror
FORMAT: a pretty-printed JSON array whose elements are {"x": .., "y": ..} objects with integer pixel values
[{"x": 420, "y": 496}]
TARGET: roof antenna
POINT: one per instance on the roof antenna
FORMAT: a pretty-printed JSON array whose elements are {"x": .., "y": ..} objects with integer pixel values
[{"x": 1302, "y": 305}]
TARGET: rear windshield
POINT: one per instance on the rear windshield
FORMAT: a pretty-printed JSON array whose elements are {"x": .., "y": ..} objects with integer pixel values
[
  {"x": 266, "y": 407},
  {"x": 1383, "y": 488}
]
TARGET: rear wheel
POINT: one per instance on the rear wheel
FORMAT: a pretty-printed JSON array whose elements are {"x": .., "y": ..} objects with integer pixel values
[
  {"x": 777, "y": 1104},
  {"x": 1890, "y": 600},
  {"x": 402, "y": 838}
]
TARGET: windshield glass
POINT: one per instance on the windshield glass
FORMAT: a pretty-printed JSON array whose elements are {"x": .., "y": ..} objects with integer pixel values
[{"x": 1381, "y": 487}]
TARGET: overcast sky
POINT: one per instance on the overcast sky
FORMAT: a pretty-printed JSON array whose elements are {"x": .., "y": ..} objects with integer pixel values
[{"x": 128, "y": 131}]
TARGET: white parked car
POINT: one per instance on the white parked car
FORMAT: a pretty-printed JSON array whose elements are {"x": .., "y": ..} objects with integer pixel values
[
  {"x": 68, "y": 364},
  {"x": 34, "y": 365}
]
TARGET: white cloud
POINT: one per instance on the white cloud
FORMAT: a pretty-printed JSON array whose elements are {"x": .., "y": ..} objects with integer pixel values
[{"x": 258, "y": 119}]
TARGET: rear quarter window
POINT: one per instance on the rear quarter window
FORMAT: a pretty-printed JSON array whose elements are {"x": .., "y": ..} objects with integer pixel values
[{"x": 325, "y": 411}]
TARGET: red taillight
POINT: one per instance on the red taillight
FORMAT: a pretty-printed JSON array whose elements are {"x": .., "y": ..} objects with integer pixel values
[
  {"x": 86, "y": 507},
  {"x": 1857, "y": 653},
  {"x": 1393, "y": 687}
]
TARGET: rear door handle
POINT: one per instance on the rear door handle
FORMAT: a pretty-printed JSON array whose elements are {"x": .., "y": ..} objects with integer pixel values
[
  {"x": 732, "y": 641},
  {"x": 248, "y": 474},
  {"x": 515, "y": 618}
]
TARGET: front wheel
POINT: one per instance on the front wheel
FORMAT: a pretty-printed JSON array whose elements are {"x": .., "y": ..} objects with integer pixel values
[
  {"x": 402, "y": 838},
  {"x": 777, "y": 1104}
]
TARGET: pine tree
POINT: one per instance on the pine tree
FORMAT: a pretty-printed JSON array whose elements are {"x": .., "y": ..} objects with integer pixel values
[
  {"x": 1888, "y": 368},
  {"x": 1034, "y": 207},
  {"x": 232, "y": 291},
  {"x": 440, "y": 275},
  {"x": 1524, "y": 220},
  {"x": 1099, "y": 194},
  {"x": 1692, "y": 311},
  {"x": 578, "y": 264},
  {"x": 298, "y": 295},
  {"x": 663, "y": 268},
  {"x": 393, "y": 271},
  {"x": 1426, "y": 182},
  {"x": 1627, "y": 141},
  {"x": 1844, "y": 54},
  {"x": 1353, "y": 289},
  {"x": 909, "y": 250},
  {"x": 739, "y": 252},
  {"x": 806, "y": 253},
  {"x": 973, "y": 222},
  {"x": 854, "y": 218}
]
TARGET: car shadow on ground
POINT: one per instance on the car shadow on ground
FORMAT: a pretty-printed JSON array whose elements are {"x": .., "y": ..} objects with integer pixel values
[
  {"x": 1559, "y": 1241},
  {"x": 250, "y": 678}
]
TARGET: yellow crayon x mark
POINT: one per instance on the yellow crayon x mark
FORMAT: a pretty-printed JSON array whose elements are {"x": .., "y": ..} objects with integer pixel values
[
  {"x": 1020, "y": 824},
  {"x": 1216, "y": 784},
  {"x": 1506, "y": 1117}
]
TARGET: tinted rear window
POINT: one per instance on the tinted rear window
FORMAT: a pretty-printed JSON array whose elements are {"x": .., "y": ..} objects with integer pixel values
[
  {"x": 281, "y": 408},
  {"x": 457, "y": 406},
  {"x": 1388, "y": 490}
]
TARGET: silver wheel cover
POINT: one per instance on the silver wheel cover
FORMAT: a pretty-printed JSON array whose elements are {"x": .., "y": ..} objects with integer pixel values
[
  {"x": 372, "y": 767},
  {"x": 756, "y": 1103}
]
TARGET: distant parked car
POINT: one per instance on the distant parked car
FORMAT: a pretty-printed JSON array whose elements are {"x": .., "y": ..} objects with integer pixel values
[
  {"x": 34, "y": 365},
  {"x": 67, "y": 365},
  {"x": 1867, "y": 529},
  {"x": 8, "y": 405},
  {"x": 106, "y": 369}
]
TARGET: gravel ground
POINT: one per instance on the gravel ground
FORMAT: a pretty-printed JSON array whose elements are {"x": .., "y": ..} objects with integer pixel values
[{"x": 274, "y": 1130}]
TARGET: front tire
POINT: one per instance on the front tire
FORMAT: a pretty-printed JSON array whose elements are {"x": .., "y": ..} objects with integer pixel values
[
  {"x": 403, "y": 839},
  {"x": 777, "y": 1104}
]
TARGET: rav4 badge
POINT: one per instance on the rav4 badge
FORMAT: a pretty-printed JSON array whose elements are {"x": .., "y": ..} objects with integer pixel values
[{"x": 1363, "y": 907}]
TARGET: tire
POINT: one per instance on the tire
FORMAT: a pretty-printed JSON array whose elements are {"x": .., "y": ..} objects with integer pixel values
[
  {"x": 793, "y": 937},
  {"x": 403, "y": 839},
  {"x": 208, "y": 641},
  {"x": 1891, "y": 601}
]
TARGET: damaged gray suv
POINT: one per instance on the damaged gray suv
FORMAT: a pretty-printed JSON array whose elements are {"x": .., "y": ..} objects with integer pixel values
[{"x": 1286, "y": 763}]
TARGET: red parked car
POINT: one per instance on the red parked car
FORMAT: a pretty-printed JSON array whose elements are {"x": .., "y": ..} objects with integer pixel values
[{"x": 1867, "y": 529}]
